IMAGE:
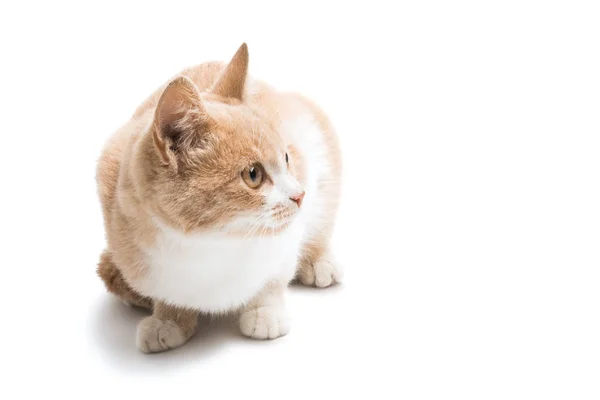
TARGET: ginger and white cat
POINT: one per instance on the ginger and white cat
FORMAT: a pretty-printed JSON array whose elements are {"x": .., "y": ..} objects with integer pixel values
[{"x": 216, "y": 194}]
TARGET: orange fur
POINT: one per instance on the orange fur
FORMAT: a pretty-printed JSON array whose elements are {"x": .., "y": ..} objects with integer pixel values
[{"x": 179, "y": 159}]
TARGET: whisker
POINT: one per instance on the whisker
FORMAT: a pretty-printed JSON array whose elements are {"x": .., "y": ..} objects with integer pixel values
[{"x": 256, "y": 225}]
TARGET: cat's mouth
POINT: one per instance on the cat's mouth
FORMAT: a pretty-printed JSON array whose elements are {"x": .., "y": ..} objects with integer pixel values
[
  {"x": 272, "y": 222},
  {"x": 281, "y": 217}
]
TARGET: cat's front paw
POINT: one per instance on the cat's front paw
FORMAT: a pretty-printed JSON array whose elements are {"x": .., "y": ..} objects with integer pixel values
[
  {"x": 322, "y": 273},
  {"x": 155, "y": 335},
  {"x": 268, "y": 322}
]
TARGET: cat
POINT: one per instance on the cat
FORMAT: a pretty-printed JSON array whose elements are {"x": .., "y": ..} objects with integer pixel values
[{"x": 217, "y": 193}]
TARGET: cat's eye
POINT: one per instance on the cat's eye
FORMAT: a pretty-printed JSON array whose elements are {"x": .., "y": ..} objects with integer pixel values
[
  {"x": 286, "y": 159},
  {"x": 253, "y": 175}
]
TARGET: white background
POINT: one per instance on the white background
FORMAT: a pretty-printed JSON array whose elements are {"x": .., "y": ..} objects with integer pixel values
[{"x": 470, "y": 224}]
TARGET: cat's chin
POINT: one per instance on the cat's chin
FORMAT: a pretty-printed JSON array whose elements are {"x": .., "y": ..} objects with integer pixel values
[
  {"x": 279, "y": 226},
  {"x": 248, "y": 229},
  {"x": 276, "y": 226}
]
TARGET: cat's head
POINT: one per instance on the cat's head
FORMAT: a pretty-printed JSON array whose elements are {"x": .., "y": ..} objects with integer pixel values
[{"x": 215, "y": 164}]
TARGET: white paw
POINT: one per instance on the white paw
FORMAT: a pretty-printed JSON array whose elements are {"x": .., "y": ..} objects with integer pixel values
[
  {"x": 265, "y": 322},
  {"x": 322, "y": 273},
  {"x": 154, "y": 335}
]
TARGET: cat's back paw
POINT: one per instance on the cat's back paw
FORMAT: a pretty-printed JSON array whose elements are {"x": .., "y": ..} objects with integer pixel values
[
  {"x": 155, "y": 335},
  {"x": 265, "y": 322},
  {"x": 322, "y": 273}
]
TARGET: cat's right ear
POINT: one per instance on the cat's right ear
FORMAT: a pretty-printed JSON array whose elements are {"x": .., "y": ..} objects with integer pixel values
[{"x": 178, "y": 118}]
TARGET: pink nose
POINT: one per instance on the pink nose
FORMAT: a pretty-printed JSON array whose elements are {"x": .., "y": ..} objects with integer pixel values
[{"x": 298, "y": 198}]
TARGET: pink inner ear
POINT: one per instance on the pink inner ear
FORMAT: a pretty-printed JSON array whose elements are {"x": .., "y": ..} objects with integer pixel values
[
  {"x": 170, "y": 114},
  {"x": 179, "y": 118}
]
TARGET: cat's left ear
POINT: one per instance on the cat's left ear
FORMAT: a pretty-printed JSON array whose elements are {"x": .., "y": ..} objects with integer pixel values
[
  {"x": 180, "y": 120},
  {"x": 231, "y": 84}
]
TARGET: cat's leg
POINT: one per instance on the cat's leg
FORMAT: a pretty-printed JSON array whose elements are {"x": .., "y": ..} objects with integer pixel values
[
  {"x": 265, "y": 316},
  {"x": 317, "y": 266},
  {"x": 116, "y": 284},
  {"x": 168, "y": 327}
]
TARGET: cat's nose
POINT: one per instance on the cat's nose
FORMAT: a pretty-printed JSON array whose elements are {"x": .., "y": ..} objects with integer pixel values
[{"x": 297, "y": 198}]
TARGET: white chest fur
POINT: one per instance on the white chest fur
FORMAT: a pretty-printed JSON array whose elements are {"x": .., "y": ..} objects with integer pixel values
[{"x": 214, "y": 272}]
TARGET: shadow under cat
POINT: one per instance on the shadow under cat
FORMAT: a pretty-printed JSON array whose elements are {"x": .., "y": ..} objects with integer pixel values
[{"x": 114, "y": 330}]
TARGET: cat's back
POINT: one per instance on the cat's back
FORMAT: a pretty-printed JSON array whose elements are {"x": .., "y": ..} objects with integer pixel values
[
  {"x": 108, "y": 169},
  {"x": 322, "y": 121},
  {"x": 317, "y": 142}
]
